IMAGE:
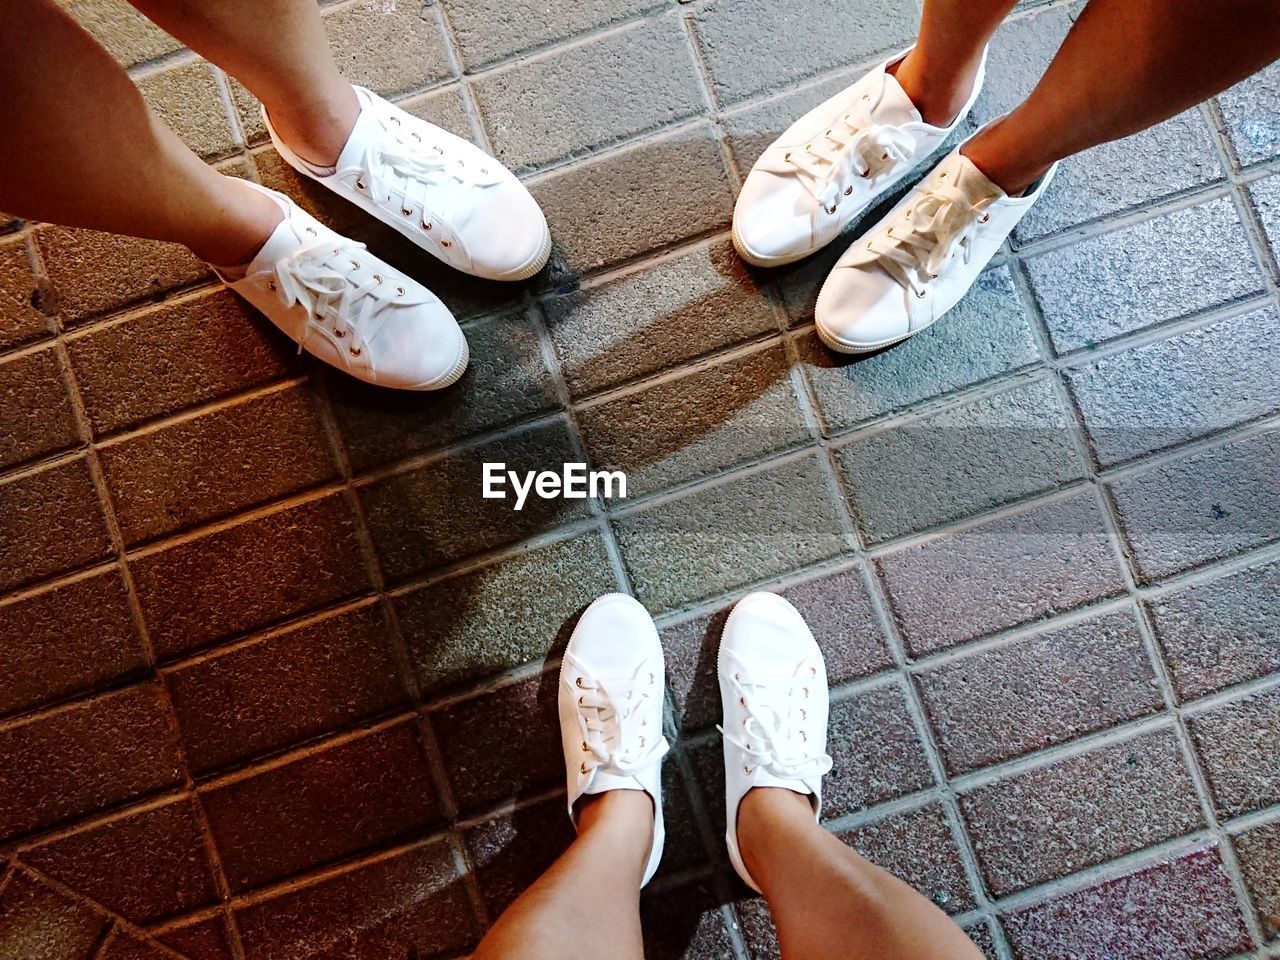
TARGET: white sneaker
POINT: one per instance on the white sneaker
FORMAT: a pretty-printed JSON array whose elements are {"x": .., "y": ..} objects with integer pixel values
[
  {"x": 442, "y": 192},
  {"x": 916, "y": 263},
  {"x": 353, "y": 311},
  {"x": 829, "y": 166},
  {"x": 612, "y": 683},
  {"x": 773, "y": 684}
]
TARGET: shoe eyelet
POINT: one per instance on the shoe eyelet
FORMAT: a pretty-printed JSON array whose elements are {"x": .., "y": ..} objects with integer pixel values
[
  {"x": 485, "y": 171},
  {"x": 399, "y": 291},
  {"x": 933, "y": 276},
  {"x": 865, "y": 176},
  {"x": 942, "y": 175},
  {"x": 742, "y": 701},
  {"x": 985, "y": 217},
  {"x": 642, "y": 741},
  {"x": 585, "y": 748},
  {"x": 866, "y": 96},
  {"x": 920, "y": 294},
  {"x": 738, "y": 677},
  {"x": 578, "y": 681},
  {"x": 355, "y": 265},
  {"x": 417, "y": 136},
  {"x": 832, "y": 208},
  {"x": 407, "y": 213},
  {"x": 806, "y": 693},
  {"x": 813, "y": 671},
  {"x": 377, "y": 279},
  {"x": 788, "y": 155},
  {"x": 748, "y": 746},
  {"x": 312, "y": 231},
  {"x": 355, "y": 351},
  {"x": 848, "y": 191},
  {"x": 438, "y": 149},
  {"x": 426, "y": 226},
  {"x": 889, "y": 232},
  {"x": 583, "y": 768},
  {"x": 360, "y": 184},
  {"x": 884, "y": 156},
  {"x": 804, "y": 736},
  {"x": 652, "y": 679},
  {"x": 271, "y": 285},
  {"x": 804, "y": 714},
  {"x": 746, "y": 770},
  {"x": 445, "y": 243},
  {"x": 339, "y": 333},
  {"x": 395, "y": 120}
]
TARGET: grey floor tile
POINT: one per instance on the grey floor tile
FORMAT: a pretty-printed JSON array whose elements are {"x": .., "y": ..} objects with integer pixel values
[
  {"x": 735, "y": 411},
  {"x": 1139, "y": 276},
  {"x": 1039, "y": 561},
  {"x": 987, "y": 334},
  {"x": 1210, "y": 505},
  {"x": 953, "y": 464},
  {"x": 1252, "y": 122},
  {"x": 728, "y": 536},
  {"x": 685, "y": 923},
  {"x": 1236, "y": 743},
  {"x": 1258, "y": 850},
  {"x": 1266, "y": 198}
]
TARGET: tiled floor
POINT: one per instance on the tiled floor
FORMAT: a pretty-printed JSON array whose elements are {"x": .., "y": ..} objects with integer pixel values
[{"x": 276, "y": 683}]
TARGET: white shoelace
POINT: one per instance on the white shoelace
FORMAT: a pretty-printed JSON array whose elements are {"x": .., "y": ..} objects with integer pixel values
[
  {"x": 917, "y": 247},
  {"x": 772, "y": 737},
  {"x": 317, "y": 276},
  {"x": 615, "y": 732},
  {"x": 395, "y": 166}
]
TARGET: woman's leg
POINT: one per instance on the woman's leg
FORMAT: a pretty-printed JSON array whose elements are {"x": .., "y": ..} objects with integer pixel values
[
  {"x": 939, "y": 72},
  {"x": 1125, "y": 66},
  {"x": 829, "y": 903},
  {"x": 279, "y": 51},
  {"x": 587, "y": 905},
  {"x": 84, "y": 149}
]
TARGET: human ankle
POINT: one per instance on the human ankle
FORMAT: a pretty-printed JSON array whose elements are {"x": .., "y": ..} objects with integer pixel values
[
  {"x": 765, "y": 814},
  {"x": 939, "y": 90},
  {"x": 317, "y": 130},
  {"x": 251, "y": 219},
  {"x": 1002, "y": 157},
  {"x": 626, "y": 816}
]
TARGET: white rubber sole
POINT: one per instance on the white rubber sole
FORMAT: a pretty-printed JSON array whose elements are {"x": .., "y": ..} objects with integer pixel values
[
  {"x": 528, "y": 269},
  {"x": 839, "y": 346},
  {"x": 455, "y": 374},
  {"x": 745, "y": 253}
]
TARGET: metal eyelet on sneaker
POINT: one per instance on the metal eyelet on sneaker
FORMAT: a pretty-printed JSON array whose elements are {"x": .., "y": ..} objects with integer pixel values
[
  {"x": 806, "y": 693},
  {"x": 417, "y": 136},
  {"x": 485, "y": 171},
  {"x": 377, "y": 279},
  {"x": 832, "y": 208},
  {"x": 813, "y": 671},
  {"x": 746, "y": 770},
  {"x": 985, "y": 217},
  {"x": 395, "y": 120},
  {"x": 407, "y": 213},
  {"x": 359, "y": 184},
  {"x": 271, "y": 285},
  {"x": 355, "y": 265},
  {"x": 848, "y": 191},
  {"x": 399, "y": 291},
  {"x": 788, "y": 156},
  {"x": 445, "y": 243},
  {"x": 356, "y": 351},
  {"x": 339, "y": 333},
  {"x": 865, "y": 176},
  {"x": 585, "y": 748},
  {"x": 920, "y": 294},
  {"x": 583, "y": 768},
  {"x": 889, "y": 232},
  {"x": 942, "y": 175},
  {"x": 742, "y": 701},
  {"x": 804, "y": 714},
  {"x": 426, "y": 226},
  {"x": 312, "y": 231},
  {"x": 642, "y": 741},
  {"x": 804, "y": 736},
  {"x": 578, "y": 681},
  {"x": 884, "y": 156}
]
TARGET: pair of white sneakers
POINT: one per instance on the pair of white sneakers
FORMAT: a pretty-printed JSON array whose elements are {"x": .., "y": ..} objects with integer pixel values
[
  {"x": 831, "y": 165},
  {"x": 773, "y": 683},
  {"x": 355, "y": 311}
]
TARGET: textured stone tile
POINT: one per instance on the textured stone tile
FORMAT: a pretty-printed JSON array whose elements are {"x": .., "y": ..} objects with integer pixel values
[
  {"x": 584, "y": 96},
  {"x": 204, "y": 939},
  {"x": 1266, "y": 199},
  {"x": 94, "y": 273},
  {"x": 127, "y": 34},
  {"x": 286, "y": 687},
  {"x": 144, "y": 866},
  {"x": 1220, "y": 633},
  {"x": 643, "y": 322},
  {"x": 489, "y": 619},
  {"x": 246, "y": 576},
  {"x": 1210, "y": 505},
  {"x": 361, "y": 793},
  {"x": 411, "y": 902},
  {"x": 217, "y": 463},
  {"x": 20, "y": 321},
  {"x": 36, "y": 417},
  {"x": 485, "y": 763},
  {"x": 507, "y": 380},
  {"x": 51, "y": 523},
  {"x": 758, "y": 931},
  {"x": 1182, "y": 909},
  {"x": 1136, "y": 277},
  {"x": 1052, "y": 821},
  {"x": 877, "y": 752},
  {"x": 68, "y": 639},
  {"x": 446, "y": 107},
  {"x": 512, "y": 849},
  {"x": 1040, "y": 561},
  {"x": 435, "y": 515},
  {"x": 390, "y": 48},
  {"x": 631, "y": 201},
  {"x": 719, "y": 539},
  {"x": 92, "y": 755},
  {"x": 163, "y": 361},
  {"x": 1000, "y": 703},
  {"x": 838, "y": 610},
  {"x": 685, "y": 923},
  {"x": 1173, "y": 156},
  {"x": 186, "y": 98},
  {"x": 39, "y": 923},
  {"x": 486, "y": 31},
  {"x": 1236, "y": 744},
  {"x": 961, "y": 461},
  {"x": 917, "y": 846},
  {"x": 751, "y": 46},
  {"x": 983, "y": 938},
  {"x": 1258, "y": 850},
  {"x": 988, "y": 329},
  {"x": 126, "y": 946},
  {"x": 1182, "y": 388},
  {"x": 741, "y": 409},
  {"x": 1253, "y": 128}
]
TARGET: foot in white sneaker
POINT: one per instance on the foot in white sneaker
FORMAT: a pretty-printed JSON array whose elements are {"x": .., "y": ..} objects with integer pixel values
[
  {"x": 916, "y": 263},
  {"x": 611, "y": 701},
  {"x": 773, "y": 685},
  {"x": 442, "y": 192},
  {"x": 350, "y": 309},
  {"x": 829, "y": 166}
]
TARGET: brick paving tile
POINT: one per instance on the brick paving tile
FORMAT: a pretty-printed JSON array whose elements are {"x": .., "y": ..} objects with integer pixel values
[
  {"x": 1235, "y": 742},
  {"x": 1051, "y": 821},
  {"x": 1253, "y": 129},
  {"x": 980, "y": 933},
  {"x": 20, "y": 320},
  {"x": 358, "y": 794},
  {"x": 144, "y": 866},
  {"x": 124, "y": 946},
  {"x": 1258, "y": 849},
  {"x": 1180, "y": 909},
  {"x": 999, "y": 703},
  {"x": 685, "y": 923},
  {"x": 36, "y": 417},
  {"x": 202, "y": 939},
  {"x": 129, "y": 36},
  {"x": 40, "y": 923}
]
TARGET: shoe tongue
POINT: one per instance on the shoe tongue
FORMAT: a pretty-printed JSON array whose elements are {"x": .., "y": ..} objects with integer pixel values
[
  {"x": 972, "y": 182},
  {"x": 895, "y": 107}
]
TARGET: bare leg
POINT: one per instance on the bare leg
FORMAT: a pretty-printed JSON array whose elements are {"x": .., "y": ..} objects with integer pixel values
[
  {"x": 1125, "y": 66},
  {"x": 84, "y": 150},
  {"x": 828, "y": 902},
  {"x": 938, "y": 74},
  {"x": 587, "y": 905},
  {"x": 279, "y": 51}
]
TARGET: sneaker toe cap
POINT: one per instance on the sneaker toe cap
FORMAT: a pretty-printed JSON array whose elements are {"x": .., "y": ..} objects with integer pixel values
[
  {"x": 764, "y": 628},
  {"x": 773, "y": 220},
  {"x": 507, "y": 237},
  {"x": 422, "y": 350},
  {"x": 614, "y": 634},
  {"x": 862, "y": 308}
]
